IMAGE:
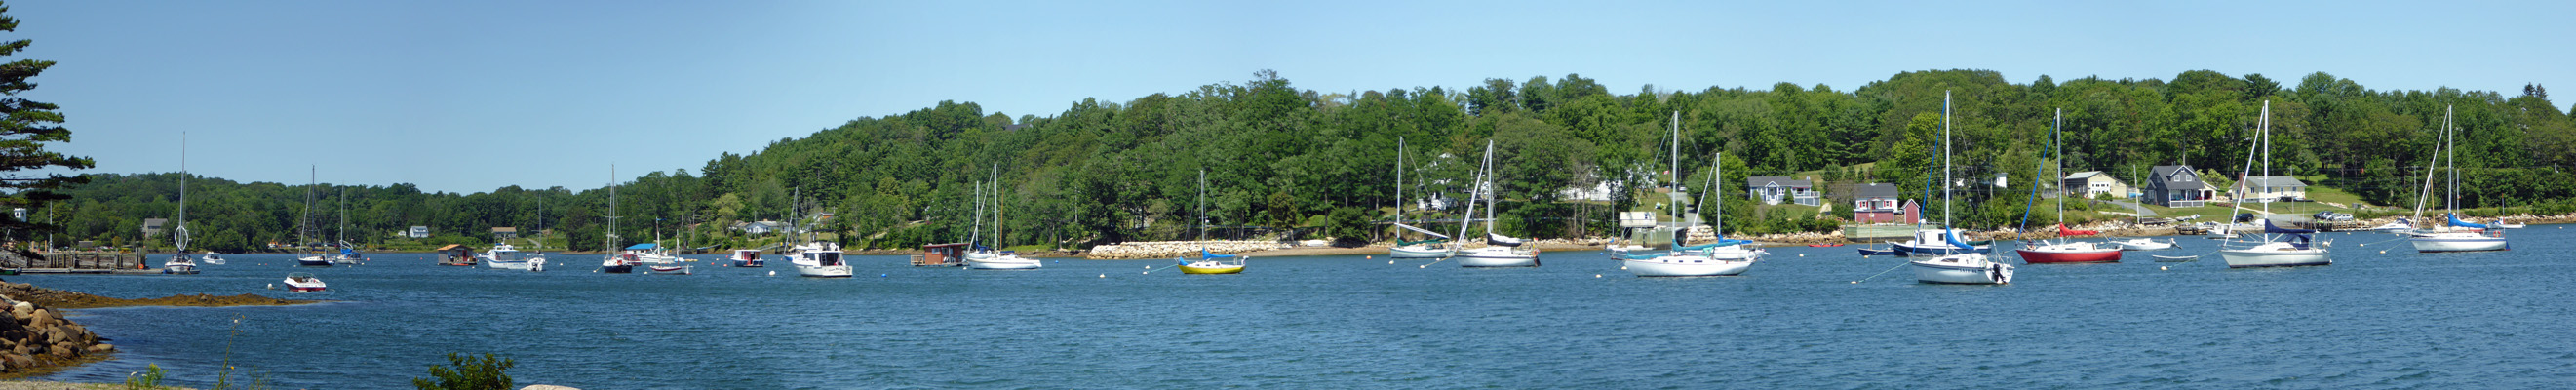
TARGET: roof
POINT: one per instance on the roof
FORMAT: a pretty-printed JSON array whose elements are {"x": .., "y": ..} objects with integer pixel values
[
  {"x": 1758, "y": 181},
  {"x": 505, "y": 230},
  {"x": 2165, "y": 172},
  {"x": 2083, "y": 175},
  {"x": 1875, "y": 190},
  {"x": 454, "y": 246},
  {"x": 2273, "y": 181}
]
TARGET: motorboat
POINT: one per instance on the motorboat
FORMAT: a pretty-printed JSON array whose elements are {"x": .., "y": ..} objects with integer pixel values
[
  {"x": 1928, "y": 243},
  {"x": 348, "y": 257},
  {"x": 304, "y": 282},
  {"x": 2401, "y": 226},
  {"x": 537, "y": 264},
  {"x": 211, "y": 258},
  {"x": 507, "y": 257},
  {"x": 651, "y": 254},
  {"x": 179, "y": 264},
  {"x": 1212, "y": 264},
  {"x": 819, "y": 259},
  {"x": 618, "y": 263},
  {"x": 748, "y": 258},
  {"x": 2144, "y": 244}
]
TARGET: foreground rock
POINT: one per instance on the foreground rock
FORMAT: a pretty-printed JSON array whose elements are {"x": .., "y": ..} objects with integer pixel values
[{"x": 37, "y": 338}]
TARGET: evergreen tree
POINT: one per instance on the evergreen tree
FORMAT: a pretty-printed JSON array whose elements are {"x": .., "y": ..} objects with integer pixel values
[{"x": 26, "y": 127}]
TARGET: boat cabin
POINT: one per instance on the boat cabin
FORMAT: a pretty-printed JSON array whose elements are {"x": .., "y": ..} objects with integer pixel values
[
  {"x": 941, "y": 255},
  {"x": 456, "y": 254}
]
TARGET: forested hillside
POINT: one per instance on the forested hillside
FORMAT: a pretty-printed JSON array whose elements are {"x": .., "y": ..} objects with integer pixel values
[{"x": 1281, "y": 157}]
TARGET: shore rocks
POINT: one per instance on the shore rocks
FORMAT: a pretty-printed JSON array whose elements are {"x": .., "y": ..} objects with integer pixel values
[
  {"x": 1172, "y": 249},
  {"x": 38, "y": 336}
]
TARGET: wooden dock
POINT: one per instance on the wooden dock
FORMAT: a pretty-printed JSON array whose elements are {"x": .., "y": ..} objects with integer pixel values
[{"x": 78, "y": 262}]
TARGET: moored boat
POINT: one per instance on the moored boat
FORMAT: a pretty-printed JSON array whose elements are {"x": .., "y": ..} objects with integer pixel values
[
  {"x": 2144, "y": 244},
  {"x": 748, "y": 258},
  {"x": 179, "y": 264},
  {"x": 1967, "y": 266},
  {"x": 1212, "y": 264},
  {"x": 2280, "y": 247},
  {"x": 819, "y": 259},
  {"x": 304, "y": 282},
  {"x": 669, "y": 269}
]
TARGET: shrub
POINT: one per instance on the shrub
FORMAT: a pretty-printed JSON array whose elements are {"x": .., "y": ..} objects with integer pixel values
[{"x": 471, "y": 373}]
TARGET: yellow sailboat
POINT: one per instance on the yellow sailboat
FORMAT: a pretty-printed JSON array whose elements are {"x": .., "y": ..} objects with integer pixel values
[{"x": 1209, "y": 263}]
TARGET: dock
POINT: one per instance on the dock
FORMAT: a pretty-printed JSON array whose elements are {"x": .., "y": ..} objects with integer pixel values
[{"x": 78, "y": 262}]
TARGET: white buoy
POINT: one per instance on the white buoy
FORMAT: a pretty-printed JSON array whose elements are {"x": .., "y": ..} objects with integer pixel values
[
  {"x": 1372, "y": 257},
  {"x": 1145, "y": 273},
  {"x": 1423, "y": 266},
  {"x": 1855, "y": 282},
  {"x": 1104, "y": 276},
  {"x": 2162, "y": 268},
  {"x": 773, "y": 273},
  {"x": 272, "y": 286},
  {"x": 1596, "y": 275},
  {"x": 1802, "y": 255},
  {"x": 1390, "y": 262}
]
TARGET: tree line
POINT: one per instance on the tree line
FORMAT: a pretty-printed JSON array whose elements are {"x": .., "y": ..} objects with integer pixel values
[{"x": 1323, "y": 164}]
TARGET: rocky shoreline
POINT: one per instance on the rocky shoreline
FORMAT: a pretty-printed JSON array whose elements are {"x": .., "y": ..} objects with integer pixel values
[{"x": 39, "y": 340}]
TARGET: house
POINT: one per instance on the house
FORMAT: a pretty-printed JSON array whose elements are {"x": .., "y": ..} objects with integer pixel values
[
  {"x": 1778, "y": 189},
  {"x": 504, "y": 233},
  {"x": 1599, "y": 192},
  {"x": 2178, "y": 186},
  {"x": 1911, "y": 213},
  {"x": 2270, "y": 188},
  {"x": 1875, "y": 203},
  {"x": 762, "y": 227},
  {"x": 417, "y": 232},
  {"x": 2086, "y": 184}
]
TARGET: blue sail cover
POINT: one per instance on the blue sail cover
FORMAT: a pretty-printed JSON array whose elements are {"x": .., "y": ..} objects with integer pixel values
[
  {"x": 1203, "y": 253},
  {"x": 1721, "y": 241},
  {"x": 641, "y": 247},
  {"x": 2456, "y": 222},
  {"x": 347, "y": 251},
  {"x": 1952, "y": 236}
]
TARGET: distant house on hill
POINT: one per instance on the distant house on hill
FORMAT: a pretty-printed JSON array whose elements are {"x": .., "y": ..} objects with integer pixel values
[
  {"x": 2270, "y": 188},
  {"x": 1782, "y": 189},
  {"x": 1876, "y": 203},
  {"x": 2178, "y": 186},
  {"x": 2086, "y": 184},
  {"x": 762, "y": 227}
]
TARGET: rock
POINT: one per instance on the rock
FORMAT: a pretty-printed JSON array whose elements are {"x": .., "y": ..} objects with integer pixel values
[
  {"x": 57, "y": 336},
  {"x": 102, "y": 348},
  {"x": 21, "y": 359},
  {"x": 59, "y": 351},
  {"x": 22, "y": 309}
]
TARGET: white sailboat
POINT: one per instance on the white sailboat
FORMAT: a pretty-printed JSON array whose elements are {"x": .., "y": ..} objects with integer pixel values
[
  {"x": 314, "y": 259},
  {"x": 1967, "y": 267},
  {"x": 1726, "y": 257},
  {"x": 984, "y": 257},
  {"x": 1209, "y": 263},
  {"x": 1499, "y": 250},
  {"x": 614, "y": 263},
  {"x": 1436, "y": 247},
  {"x": 2454, "y": 235},
  {"x": 2280, "y": 247},
  {"x": 179, "y": 263},
  {"x": 340, "y": 238}
]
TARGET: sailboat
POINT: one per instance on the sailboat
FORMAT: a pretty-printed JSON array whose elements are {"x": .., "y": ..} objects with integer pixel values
[
  {"x": 2065, "y": 250},
  {"x": 1499, "y": 250},
  {"x": 2454, "y": 235},
  {"x": 2280, "y": 247},
  {"x": 614, "y": 263},
  {"x": 348, "y": 254},
  {"x": 1437, "y": 246},
  {"x": 316, "y": 259},
  {"x": 985, "y": 257},
  {"x": 1726, "y": 257},
  {"x": 1209, "y": 263},
  {"x": 1965, "y": 267},
  {"x": 179, "y": 263}
]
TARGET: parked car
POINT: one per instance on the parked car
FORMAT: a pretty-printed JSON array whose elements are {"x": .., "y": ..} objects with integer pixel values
[{"x": 2335, "y": 216}]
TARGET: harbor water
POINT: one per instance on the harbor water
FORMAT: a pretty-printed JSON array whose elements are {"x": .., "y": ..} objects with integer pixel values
[{"x": 2373, "y": 320}]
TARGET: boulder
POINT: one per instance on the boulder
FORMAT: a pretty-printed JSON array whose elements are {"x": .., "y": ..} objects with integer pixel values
[
  {"x": 59, "y": 351},
  {"x": 102, "y": 348}
]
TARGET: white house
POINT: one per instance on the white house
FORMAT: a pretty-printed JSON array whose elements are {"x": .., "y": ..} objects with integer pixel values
[
  {"x": 2270, "y": 188},
  {"x": 1781, "y": 189},
  {"x": 2089, "y": 183},
  {"x": 418, "y": 232}
]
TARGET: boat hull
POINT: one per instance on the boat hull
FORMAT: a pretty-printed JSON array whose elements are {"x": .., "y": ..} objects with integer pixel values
[
  {"x": 508, "y": 265},
  {"x": 2069, "y": 257},
  {"x": 1211, "y": 270},
  {"x": 1497, "y": 261},
  {"x": 179, "y": 270},
  {"x": 303, "y": 289},
  {"x": 2460, "y": 243},
  {"x": 2268, "y": 257},
  {"x": 1685, "y": 266},
  {"x": 1417, "y": 252},
  {"x": 1960, "y": 270},
  {"x": 312, "y": 262},
  {"x": 617, "y": 269},
  {"x": 1003, "y": 263},
  {"x": 677, "y": 270},
  {"x": 823, "y": 271},
  {"x": 2143, "y": 245}
]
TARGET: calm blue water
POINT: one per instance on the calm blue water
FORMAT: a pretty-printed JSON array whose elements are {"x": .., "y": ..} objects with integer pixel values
[{"x": 2396, "y": 320}]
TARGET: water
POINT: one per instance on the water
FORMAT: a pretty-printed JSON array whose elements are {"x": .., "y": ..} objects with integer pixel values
[{"x": 2395, "y": 320}]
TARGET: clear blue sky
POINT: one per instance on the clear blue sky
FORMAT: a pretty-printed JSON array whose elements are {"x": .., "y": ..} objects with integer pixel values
[{"x": 468, "y": 96}]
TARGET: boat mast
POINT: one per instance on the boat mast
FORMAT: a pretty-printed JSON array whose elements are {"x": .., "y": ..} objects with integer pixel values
[
  {"x": 2057, "y": 149},
  {"x": 312, "y": 180},
  {"x": 2451, "y": 153},
  {"x": 2266, "y": 140},
  {"x": 1490, "y": 195},
  {"x": 1399, "y": 191},
  {"x": 609, "y": 241},
  {"x": 179, "y": 235},
  {"x": 975, "y": 235},
  {"x": 1677, "y": 148},
  {"x": 1474, "y": 187},
  {"x": 997, "y": 206},
  {"x": 1203, "y": 207},
  {"x": 1945, "y": 163},
  {"x": 1718, "y": 163}
]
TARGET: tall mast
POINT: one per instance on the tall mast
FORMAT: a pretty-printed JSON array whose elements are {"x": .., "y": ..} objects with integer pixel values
[
  {"x": 1399, "y": 189},
  {"x": 2057, "y": 149},
  {"x": 611, "y": 245},
  {"x": 1719, "y": 165},
  {"x": 1945, "y": 161},
  {"x": 1474, "y": 187},
  {"x": 1489, "y": 195},
  {"x": 997, "y": 206},
  {"x": 2266, "y": 140},
  {"x": 1203, "y": 204},
  {"x": 1677, "y": 148},
  {"x": 179, "y": 235},
  {"x": 975, "y": 235},
  {"x": 2452, "y": 153}
]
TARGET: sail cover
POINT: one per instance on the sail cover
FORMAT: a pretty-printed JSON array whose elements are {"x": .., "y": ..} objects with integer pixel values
[
  {"x": 2456, "y": 222},
  {"x": 2063, "y": 231},
  {"x": 2268, "y": 227},
  {"x": 1203, "y": 253},
  {"x": 1498, "y": 239},
  {"x": 1952, "y": 236}
]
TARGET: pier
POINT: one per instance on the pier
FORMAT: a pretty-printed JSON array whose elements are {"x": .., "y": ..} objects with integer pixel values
[{"x": 78, "y": 262}]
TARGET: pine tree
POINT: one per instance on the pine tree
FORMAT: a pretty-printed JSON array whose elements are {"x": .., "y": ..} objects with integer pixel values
[{"x": 26, "y": 127}]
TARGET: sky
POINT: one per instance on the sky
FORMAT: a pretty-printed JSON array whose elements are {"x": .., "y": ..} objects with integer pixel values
[{"x": 470, "y": 96}]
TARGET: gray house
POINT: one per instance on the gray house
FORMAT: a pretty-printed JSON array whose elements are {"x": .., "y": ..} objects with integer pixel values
[
  {"x": 2271, "y": 188},
  {"x": 1779, "y": 189},
  {"x": 2178, "y": 186}
]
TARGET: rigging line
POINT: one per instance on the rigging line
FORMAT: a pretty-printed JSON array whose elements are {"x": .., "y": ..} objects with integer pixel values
[{"x": 1875, "y": 276}]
